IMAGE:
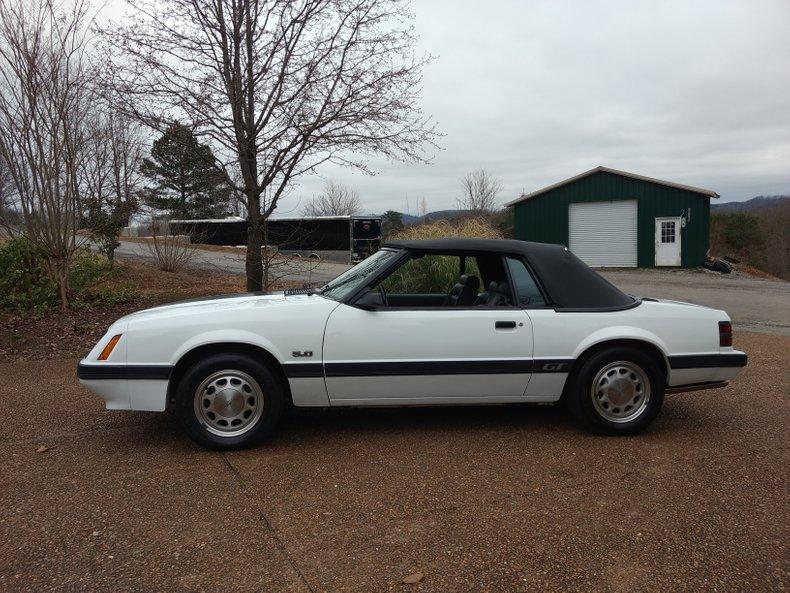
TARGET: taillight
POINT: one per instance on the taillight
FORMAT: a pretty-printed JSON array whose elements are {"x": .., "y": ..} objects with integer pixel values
[{"x": 725, "y": 333}]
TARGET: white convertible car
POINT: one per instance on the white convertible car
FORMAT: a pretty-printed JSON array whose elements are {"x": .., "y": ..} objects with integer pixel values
[{"x": 437, "y": 322}]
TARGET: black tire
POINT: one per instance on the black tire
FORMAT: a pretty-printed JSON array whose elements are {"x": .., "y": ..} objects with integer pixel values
[
  {"x": 580, "y": 398},
  {"x": 271, "y": 393}
]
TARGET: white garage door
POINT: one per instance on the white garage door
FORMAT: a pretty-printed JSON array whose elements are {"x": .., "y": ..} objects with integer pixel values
[{"x": 603, "y": 233}]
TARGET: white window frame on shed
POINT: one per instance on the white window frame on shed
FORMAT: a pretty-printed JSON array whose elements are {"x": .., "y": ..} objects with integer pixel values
[{"x": 604, "y": 234}]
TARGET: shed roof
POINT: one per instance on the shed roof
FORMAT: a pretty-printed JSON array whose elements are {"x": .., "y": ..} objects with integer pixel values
[{"x": 601, "y": 169}]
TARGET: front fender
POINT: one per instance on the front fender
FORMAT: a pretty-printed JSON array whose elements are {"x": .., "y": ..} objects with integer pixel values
[{"x": 222, "y": 336}]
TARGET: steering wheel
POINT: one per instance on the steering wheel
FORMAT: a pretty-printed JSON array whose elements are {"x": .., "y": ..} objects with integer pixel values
[{"x": 384, "y": 299}]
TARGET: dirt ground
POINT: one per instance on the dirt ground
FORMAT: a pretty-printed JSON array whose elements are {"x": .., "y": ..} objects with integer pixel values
[{"x": 492, "y": 499}]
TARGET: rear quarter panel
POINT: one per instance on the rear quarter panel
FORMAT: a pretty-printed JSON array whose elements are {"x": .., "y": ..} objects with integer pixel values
[{"x": 673, "y": 328}]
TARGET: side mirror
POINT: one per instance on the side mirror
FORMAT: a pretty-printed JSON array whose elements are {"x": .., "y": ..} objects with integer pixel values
[{"x": 368, "y": 300}]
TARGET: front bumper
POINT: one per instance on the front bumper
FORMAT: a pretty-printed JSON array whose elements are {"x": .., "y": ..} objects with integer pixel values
[{"x": 126, "y": 386}]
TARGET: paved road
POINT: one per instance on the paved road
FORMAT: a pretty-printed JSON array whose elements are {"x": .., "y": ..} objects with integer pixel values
[
  {"x": 306, "y": 270},
  {"x": 492, "y": 499}
]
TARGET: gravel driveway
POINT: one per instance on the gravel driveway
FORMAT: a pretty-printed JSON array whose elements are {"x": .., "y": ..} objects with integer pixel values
[
  {"x": 493, "y": 499},
  {"x": 753, "y": 304}
]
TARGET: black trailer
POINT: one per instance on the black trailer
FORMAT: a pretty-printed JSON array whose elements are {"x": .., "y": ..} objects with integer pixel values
[{"x": 358, "y": 236}]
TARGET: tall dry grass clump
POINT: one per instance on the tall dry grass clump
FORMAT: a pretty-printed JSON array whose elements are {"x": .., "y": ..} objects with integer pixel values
[
  {"x": 479, "y": 228},
  {"x": 437, "y": 273},
  {"x": 171, "y": 252}
]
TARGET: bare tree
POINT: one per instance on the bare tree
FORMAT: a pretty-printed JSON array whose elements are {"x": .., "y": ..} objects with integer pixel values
[
  {"x": 423, "y": 207},
  {"x": 171, "y": 252},
  {"x": 337, "y": 200},
  {"x": 280, "y": 268},
  {"x": 111, "y": 177},
  {"x": 479, "y": 192},
  {"x": 278, "y": 87},
  {"x": 45, "y": 88}
]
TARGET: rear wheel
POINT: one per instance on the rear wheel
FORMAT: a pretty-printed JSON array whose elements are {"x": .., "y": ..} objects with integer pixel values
[
  {"x": 230, "y": 401},
  {"x": 617, "y": 391}
]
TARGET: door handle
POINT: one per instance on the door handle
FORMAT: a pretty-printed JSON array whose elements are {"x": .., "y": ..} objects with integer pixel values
[{"x": 505, "y": 325}]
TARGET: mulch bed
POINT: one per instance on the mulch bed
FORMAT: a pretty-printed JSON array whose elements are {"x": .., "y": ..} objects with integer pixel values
[{"x": 56, "y": 334}]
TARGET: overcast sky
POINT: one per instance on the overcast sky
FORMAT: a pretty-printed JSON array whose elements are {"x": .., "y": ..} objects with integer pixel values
[
  {"x": 696, "y": 92},
  {"x": 535, "y": 91}
]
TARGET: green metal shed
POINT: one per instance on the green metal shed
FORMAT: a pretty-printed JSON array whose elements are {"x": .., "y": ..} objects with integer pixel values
[{"x": 612, "y": 218}]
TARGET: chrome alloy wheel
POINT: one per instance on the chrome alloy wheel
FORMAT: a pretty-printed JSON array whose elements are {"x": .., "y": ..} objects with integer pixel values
[
  {"x": 620, "y": 391},
  {"x": 228, "y": 403}
]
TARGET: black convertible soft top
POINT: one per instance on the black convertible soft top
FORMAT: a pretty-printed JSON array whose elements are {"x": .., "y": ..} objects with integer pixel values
[{"x": 567, "y": 280}]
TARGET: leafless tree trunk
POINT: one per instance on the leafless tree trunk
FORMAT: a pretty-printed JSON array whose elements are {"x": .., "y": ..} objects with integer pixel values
[
  {"x": 9, "y": 215},
  {"x": 479, "y": 192},
  {"x": 45, "y": 83},
  {"x": 278, "y": 87},
  {"x": 337, "y": 200}
]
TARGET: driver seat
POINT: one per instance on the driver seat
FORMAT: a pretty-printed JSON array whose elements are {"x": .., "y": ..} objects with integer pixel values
[
  {"x": 463, "y": 293},
  {"x": 497, "y": 295}
]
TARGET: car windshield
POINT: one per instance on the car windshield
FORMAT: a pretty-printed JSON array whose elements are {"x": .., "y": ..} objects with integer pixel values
[{"x": 353, "y": 279}]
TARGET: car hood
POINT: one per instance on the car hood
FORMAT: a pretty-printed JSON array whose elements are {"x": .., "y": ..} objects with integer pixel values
[{"x": 220, "y": 303}]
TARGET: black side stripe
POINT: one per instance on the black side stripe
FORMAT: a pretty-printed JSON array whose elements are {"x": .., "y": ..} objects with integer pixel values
[
  {"x": 428, "y": 367},
  {"x": 707, "y": 361},
  {"x": 129, "y": 371},
  {"x": 303, "y": 370}
]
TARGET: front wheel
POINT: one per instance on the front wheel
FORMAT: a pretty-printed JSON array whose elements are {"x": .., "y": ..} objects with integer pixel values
[
  {"x": 617, "y": 391},
  {"x": 229, "y": 401}
]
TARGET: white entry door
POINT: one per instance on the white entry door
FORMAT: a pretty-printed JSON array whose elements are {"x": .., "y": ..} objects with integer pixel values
[{"x": 668, "y": 241}]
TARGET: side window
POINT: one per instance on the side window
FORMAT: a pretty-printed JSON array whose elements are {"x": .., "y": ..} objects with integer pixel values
[
  {"x": 430, "y": 274},
  {"x": 526, "y": 290}
]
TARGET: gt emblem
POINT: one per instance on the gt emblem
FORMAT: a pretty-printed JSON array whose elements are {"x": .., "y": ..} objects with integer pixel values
[
  {"x": 302, "y": 353},
  {"x": 554, "y": 366}
]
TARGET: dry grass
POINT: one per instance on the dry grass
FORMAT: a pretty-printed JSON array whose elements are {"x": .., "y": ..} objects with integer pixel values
[
  {"x": 768, "y": 250},
  {"x": 437, "y": 274},
  {"x": 479, "y": 228}
]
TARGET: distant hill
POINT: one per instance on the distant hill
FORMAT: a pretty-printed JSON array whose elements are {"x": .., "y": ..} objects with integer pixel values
[{"x": 758, "y": 203}]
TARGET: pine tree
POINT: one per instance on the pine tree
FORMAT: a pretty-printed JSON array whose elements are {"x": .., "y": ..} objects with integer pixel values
[
  {"x": 392, "y": 222},
  {"x": 188, "y": 184}
]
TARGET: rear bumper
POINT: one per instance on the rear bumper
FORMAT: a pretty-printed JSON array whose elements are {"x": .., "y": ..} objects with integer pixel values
[
  {"x": 708, "y": 361},
  {"x": 691, "y": 372}
]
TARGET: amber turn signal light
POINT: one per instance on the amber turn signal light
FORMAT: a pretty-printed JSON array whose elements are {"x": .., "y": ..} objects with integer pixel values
[{"x": 105, "y": 354}]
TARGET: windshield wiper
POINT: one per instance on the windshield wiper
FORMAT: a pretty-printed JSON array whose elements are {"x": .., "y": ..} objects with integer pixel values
[{"x": 304, "y": 289}]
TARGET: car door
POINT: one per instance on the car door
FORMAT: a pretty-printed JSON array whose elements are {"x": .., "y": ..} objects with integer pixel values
[{"x": 427, "y": 354}]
